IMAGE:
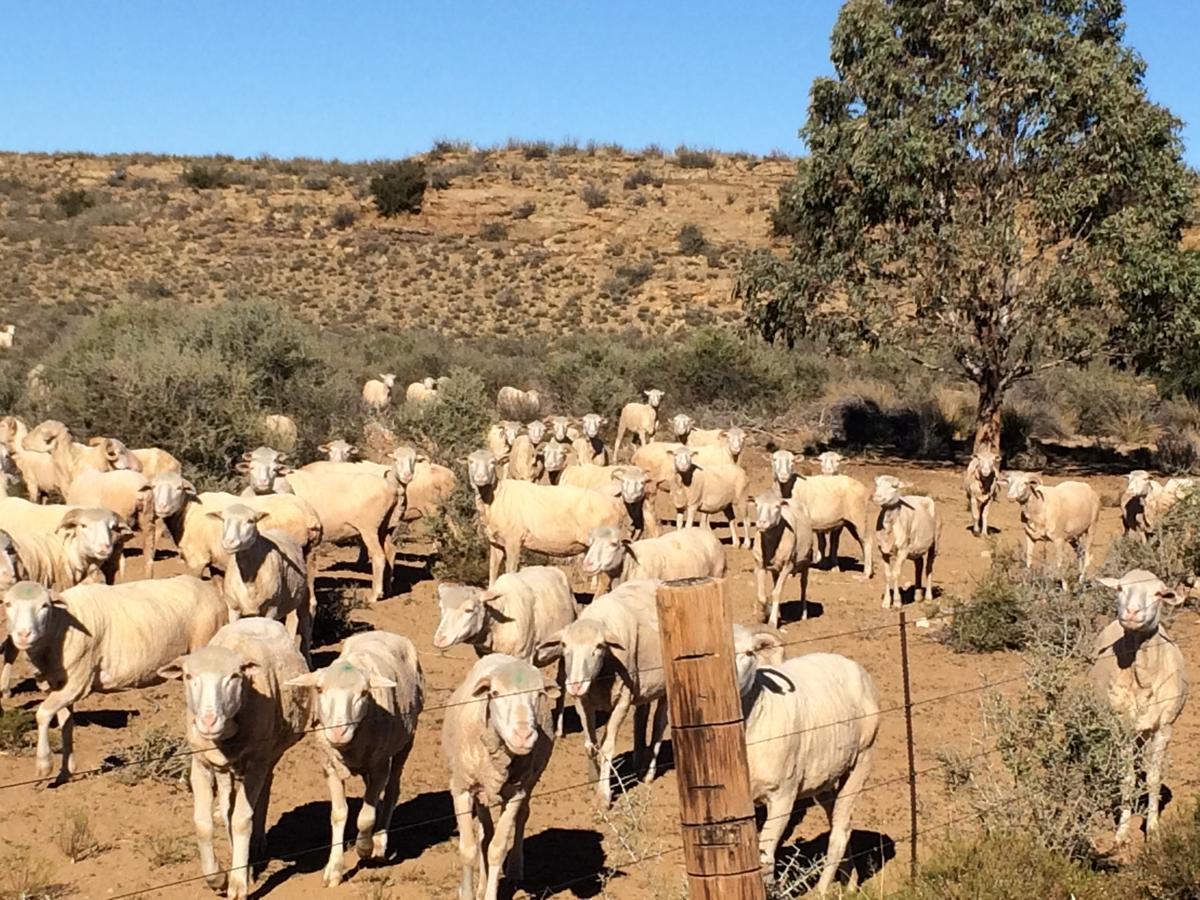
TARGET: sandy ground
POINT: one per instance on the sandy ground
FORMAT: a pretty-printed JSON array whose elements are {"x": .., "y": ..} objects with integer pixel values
[{"x": 568, "y": 842}]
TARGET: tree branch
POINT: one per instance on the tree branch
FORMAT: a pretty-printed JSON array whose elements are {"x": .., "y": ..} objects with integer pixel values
[
  {"x": 933, "y": 367},
  {"x": 1025, "y": 370}
]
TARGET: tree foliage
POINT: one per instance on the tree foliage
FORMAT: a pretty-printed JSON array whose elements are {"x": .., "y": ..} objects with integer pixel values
[{"x": 988, "y": 185}]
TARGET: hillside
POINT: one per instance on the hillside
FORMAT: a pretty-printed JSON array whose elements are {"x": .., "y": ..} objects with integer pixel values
[{"x": 508, "y": 245}]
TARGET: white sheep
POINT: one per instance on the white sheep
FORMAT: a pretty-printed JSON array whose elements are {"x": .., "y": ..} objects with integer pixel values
[
  {"x": 422, "y": 391},
  {"x": 35, "y": 468},
  {"x": 833, "y": 503},
  {"x": 627, "y": 482},
  {"x": 69, "y": 457},
  {"x": 830, "y": 462},
  {"x": 783, "y": 544},
  {"x": 1145, "y": 501},
  {"x": 365, "y": 705},
  {"x": 657, "y": 460},
  {"x": 811, "y": 724},
  {"x": 7, "y": 333},
  {"x": 427, "y": 485},
  {"x": 524, "y": 461},
  {"x": 241, "y": 719},
  {"x": 691, "y": 553},
  {"x": 561, "y": 429},
  {"x": 613, "y": 659},
  {"x": 713, "y": 488},
  {"x": 496, "y": 739},
  {"x": 266, "y": 574},
  {"x": 1062, "y": 514},
  {"x": 126, "y": 493},
  {"x": 517, "y": 515},
  {"x": 91, "y": 539},
  {"x": 513, "y": 403},
  {"x": 98, "y": 637},
  {"x": 589, "y": 446},
  {"x": 981, "y": 483},
  {"x": 281, "y": 431},
  {"x": 1139, "y": 671},
  {"x": 554, "y": 460},
  {"x": 339, "y": 451},
  {"x": 377, "y": 392},
  {"x": 908, "y": 527},
  {"x": 638, "y": 419}
]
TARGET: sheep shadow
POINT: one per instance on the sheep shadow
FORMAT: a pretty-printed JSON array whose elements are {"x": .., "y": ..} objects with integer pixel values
[
  {"x": 555, "y": 857},
  {"x": 866, "y": 854},
  {"x": 112, "y": 719},
  {"x": 794, "y": 611}
]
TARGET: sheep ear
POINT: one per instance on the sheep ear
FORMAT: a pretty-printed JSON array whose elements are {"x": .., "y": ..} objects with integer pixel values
[
  {"x": 242, "y": 467},
  {"x": 1114, "y": 583},
  {"x": 308, "y": 679},
  {"x": 551, "y": 691},
  {"x": 379, "y": 683},
  {"x": 250, "y": 669},
  {"x": 612, "y": 641},
  {"x": 483, "y": 687},
  {"x": 144, "y": 488},
  {"x": 324, "y": 448},
  {"x": 96, "y": 442},
  {"x": 173, "y": 670},
  {"x": 188, "y": 487},
  {"x": 215, "y": 514},
  {"x": 259, "y": 516}
]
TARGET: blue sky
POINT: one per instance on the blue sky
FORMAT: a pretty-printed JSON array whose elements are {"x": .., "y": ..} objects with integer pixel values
[{"x": 377, "y": 79}]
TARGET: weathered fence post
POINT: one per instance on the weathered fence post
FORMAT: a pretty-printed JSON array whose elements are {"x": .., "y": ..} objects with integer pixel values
[
  {"x": 908, "y": 739},
  {"x": 720, "y": 841}
]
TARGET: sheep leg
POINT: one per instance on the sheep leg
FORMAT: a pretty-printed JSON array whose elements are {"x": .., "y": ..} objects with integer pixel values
[
  {"x": 225, "y": 803},
  {"x": 657, "y": 729},
  {"x": 641, "y": 719},
  {"x": 918, "y": 577},
  {"x": 503, "y": 837},
  {"x": 468, "y": 843},
  {"x": 512, "y": 556},
  {"x": 777, "y": 594},
  {"x": 608, "y": 748},
  {"x": 983, "y": 517},
  {"x": 1028, "y": 552},
  {"x": 760, "y": 593},
  {"x": 835, "y": 538},
  {"x": 514, "y": 869},
  {"x": 779, "y": 813},
  {"x": 258, "y": 834},
  {"x": 338, "y": 813},
  {"x": 560, "y": 705},
  {"x": 202, "y": 817},
  {"x": 247, "y": 794},
  {"x": 1154, "y": 770},
  {"x": 587, "y": 715},
  {"x": 804, "y": 567},
  {"x": 10, "y": 657},
  {"x": 374, "y": 548},
  {"x": 495, "y": 557},
  {"x": 620, "y": 437},
  {"x": 304, "y": 625},
  {"x": 1059, "y": 547},
  {"x": 373, "y": 784},
  {"x": 55, "y": 704},
  {"x": 391, "y": 794},
  {"x": 929, "y": 558},
  {"x": 839, "y": 820},
  {"x": 1085, "y": 560},
  {"x": 649, "y": 518}
]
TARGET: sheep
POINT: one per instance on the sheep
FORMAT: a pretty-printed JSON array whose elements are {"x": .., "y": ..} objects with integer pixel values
[
  {"x": 241, "y": 718},
  {"x": 613, "y": 660},
  {"x": 554, "y": 460},
  {"x": 1139, "y": 671},
  {"x": 7, "y": 333},
  {"x": 377, "y": 392},
  {"x": 783, "y": 544},
  {"x": 713, "y": 488},
  {"x": 365, "y": 705},
  {"x": 266, "y": 575},
  {"x": 657, "y": 460},
  {"x": 561, "y": 429},
  {"x": 517, "y": 515},
  {"x": 97, "y": 637},
  {"x": 265, "y": 471},
  {"x": 1062, "y": 514},
  {"x": 496, "y": 740},
  {"x": 513, "y": 616},
  {"x": 281, "y": 431},
  {"x": 811, "y": 724},
  {"x": 981, "y": 483},
  {"x": 830, "y": 462},
  {"x": 627, "y": 482},
  {"x": 126, "y": 493},
  {"x": 589, "y": 446},
  {"x": 783, "y": 472},
  {"x": 35, "y": 468},
  {"x": 1144, "y": 501},
  {"x": 524, "y": 461},
  {"x": 638, "y": 419},
  {"x": 70, "y": 458},
  {"x": 349, "y": 503},
  {"x": 427, "y": 485},
  {"x": 908, "y": 527},
  {"x": 420, "y": 392},
  {"x": 832, "y": 502},
  {"x": 90, "y": 539},
  {"x": 339, "y": 451},
  {"x": 693, "y": 553},
  {"x": 513, "y": 403},
  {"x": 153, "y": 461}
]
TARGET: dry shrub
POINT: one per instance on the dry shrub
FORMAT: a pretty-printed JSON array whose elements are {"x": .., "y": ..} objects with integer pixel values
[
  {"x": 1172, "y": 552},
  {"x": 158, "y": 755},
  {"x": 462, "y": 549},
  {"x": 24, "y": 876},
  {"x": 16, "y": 727},
  {"x": 75, "y": 838}
]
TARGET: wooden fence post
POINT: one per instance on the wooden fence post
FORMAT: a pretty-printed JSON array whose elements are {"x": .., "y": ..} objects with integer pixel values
[{"x": 720, "y": 840}]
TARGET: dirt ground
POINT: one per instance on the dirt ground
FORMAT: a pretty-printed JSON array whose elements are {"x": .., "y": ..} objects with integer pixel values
[{"x": 568, "y": 842}]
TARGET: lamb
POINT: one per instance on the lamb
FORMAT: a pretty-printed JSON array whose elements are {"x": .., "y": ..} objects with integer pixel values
[
  {"x": 496, "y": 739},
  {"x": 90, "y": 539},
  {"x": 126, "y": 493},
  {"x": 783, "y": 544},
  {"x": 518, "y": 515},
  {"x": 908, "y": 527},
  {"x": 613, "y": 658},
  {"x": 981, "y": 482},
  {"x": 422, "y": 391},
  {"x": 834, "y": 502},
  {"x": 513, "y": 403},
  {"x": 554, "y": 460},
  {"x": 365, "y": 705},
  {"x": 589, "y": 446},
  {"x": 524, "y": 462},
  {"x": 281, "y": 431},
  {"x": 1139, "y": 670},
  {"x": 811, "y": 724},
  {"x": 1061, "y": 514},
  {"x": 628, "y": 482},
  {"x": 713, "y": 488},
  {"x": 638, "y": 419},
  {"x": 377, "y": 392},
  {"x": 96, "y": 637},
  {"x": 692, "y": 553},
  {"x": 241, "y": 719},
  {"x": 266, "y": 575}
]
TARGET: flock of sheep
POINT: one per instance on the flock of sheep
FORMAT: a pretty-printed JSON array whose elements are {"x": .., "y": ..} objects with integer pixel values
[{"x": 239, "y": 639}]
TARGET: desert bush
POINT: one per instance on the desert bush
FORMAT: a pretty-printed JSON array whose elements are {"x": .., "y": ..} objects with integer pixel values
[
  {"x": 334, "y": 621},
  {"x": 1108, "y": 403},
  {"x": 399, "y": 188},
  {"x": 24, "y": 876},
  {"x": 316, "y": 183},
  {"x": 594, "y": 196},
  {"x": 167, "y": 849},
  {"x": 1172, "y": 552},
  {"x": 640, "y": 178},
  {"x": 16, "y": 730},
  {"x": 493, "y": 231},
  {"x": 157, "y": 755},
  {"x": 73, "y": 201},
  {"x": 454, "y": 424},
  {"x": 462, "y": 549},
  {"x": 626, "y": 280},
  {"x": 75, "y": 838},
  {"x": 536, "y": 149},
  {"x": 201, "y": 176},
  {"x": 692, "y": 241},
  {"x": 688, "y": 158},
  {"x": 343, "y": 217},
  {"x": 524, "y": 210},
  {"x": 1177, "y": 451},
  {"x": 1169, "y": 867}
]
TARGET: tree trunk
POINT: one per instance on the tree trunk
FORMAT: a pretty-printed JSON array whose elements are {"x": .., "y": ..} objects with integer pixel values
[{"x": 987, "y": 414}]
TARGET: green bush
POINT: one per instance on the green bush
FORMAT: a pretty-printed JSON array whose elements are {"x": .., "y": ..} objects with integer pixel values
[
  {"x": 73, "y": 201},
  {"x": 462, "y": 549},
  {"x": 1172, "y": 552},
  {"x": 203, "y": 177},
  {"x": 399, "y": 188},
  {"x": 453, "y": 425}
]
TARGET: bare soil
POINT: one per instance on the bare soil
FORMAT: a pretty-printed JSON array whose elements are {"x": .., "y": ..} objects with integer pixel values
[{"x": 569, "y": 843}]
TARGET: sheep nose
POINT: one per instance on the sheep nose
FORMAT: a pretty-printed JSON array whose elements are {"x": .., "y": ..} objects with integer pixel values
[
  {"x": 337, "y": 734},
  {"x": 23, "y": 636},
  {"x": 208, "y": 721}
]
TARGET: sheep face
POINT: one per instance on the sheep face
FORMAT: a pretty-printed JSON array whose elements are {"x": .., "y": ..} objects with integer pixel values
[
  {"x": 591, "y": 425},
  {"x": 170, "y": 491},
  {"x": 430, "y": 383},
  {"x": 27, "y": 609},
  {"x": 481, "y": 467},
  {"x": 214, "y": 680},
  {"x": 404, "y": 463},
  {"x": 682, "y": 425},
  {"x": 631, "y": 482},
  {"x": 239, "y": 527},
  {"x": 47, "y": 435},
  {"x": 684, "y": 460},
  {"x": 783, "y": 466},
  {"x": 389, "y": 380},
  {"x": 554, "y": 457},
  {"x": 8, "y": 562},
  {"x": 1138, "y": 483},
  {"x": 585, "y": 647},
  {"x": 464, "y": 615},
  {"x": 605, "y": 552},
  {"x": 653, "y": 397},
  {"x": 1140, "y": 596},
  {"x": 768, "y": 511},
  {"x": 985, "y": 463},
  {"x": 536, "y": 431},
  {"x": 753, "y": 649},
  {"x": 511, "y": 430},
  {"x": 830, "y": 463},
  {"x": 339, "y": 451},
  {"x": 735, "y": 439},
  {"x": 96, "y": 532},
  {"x": 342, "y": 699},
  {"x": 514, "y": 693},
  {"x": 261, "y": 467},
  {"x": 1022, "y": 486},
  {"x": 558, "y": 428},
  {"x": 888, "y": 490}
]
